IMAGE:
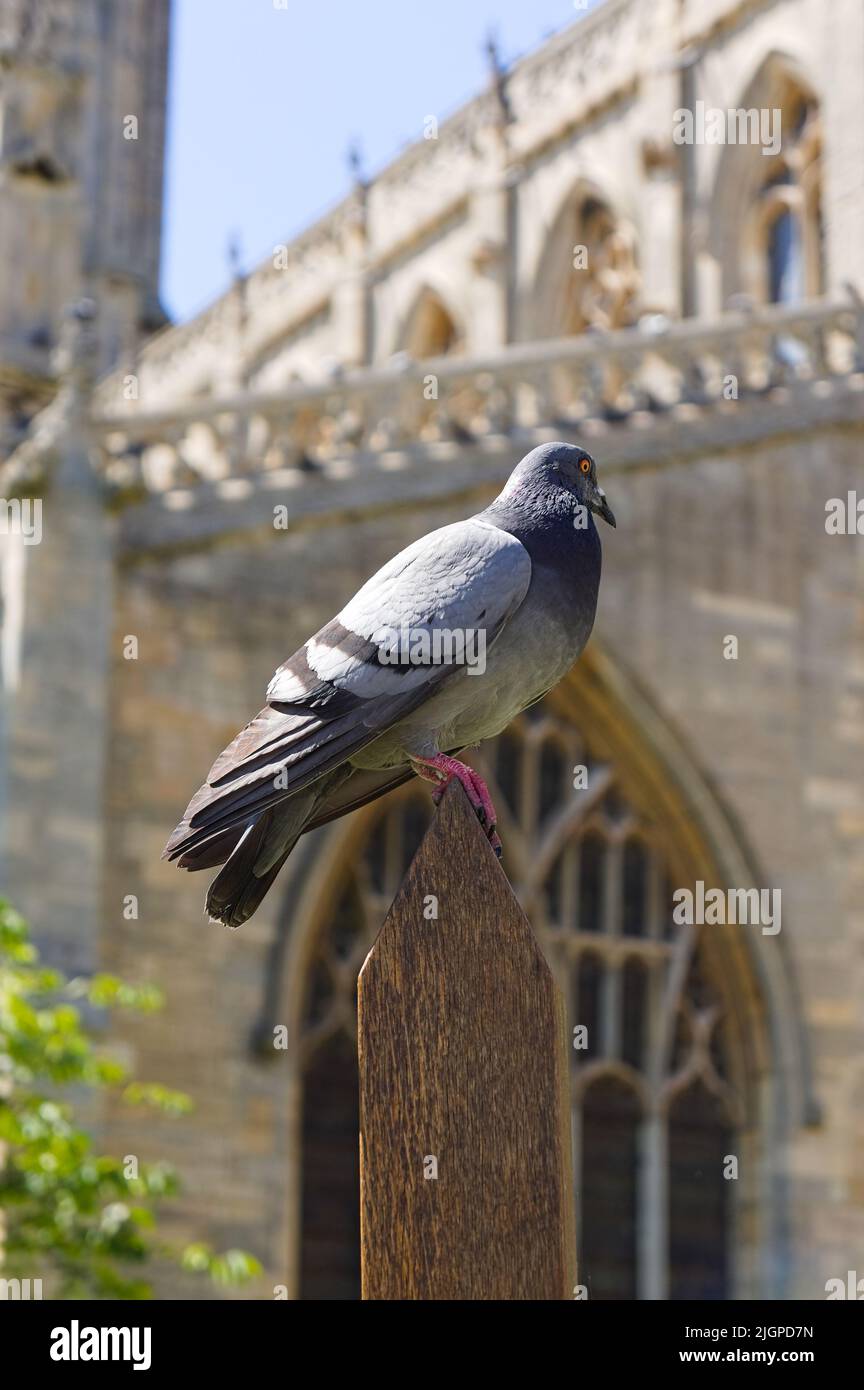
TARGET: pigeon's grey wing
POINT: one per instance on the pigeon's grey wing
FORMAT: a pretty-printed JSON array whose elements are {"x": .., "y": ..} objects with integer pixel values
[
  {"x": 344, "y": 688},
  {"x": 364, "y": 785}
]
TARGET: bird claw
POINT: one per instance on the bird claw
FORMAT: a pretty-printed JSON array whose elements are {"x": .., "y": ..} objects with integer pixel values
[
  {"x": 441, "y": 769},
  {"x": 489, "y": 831}
]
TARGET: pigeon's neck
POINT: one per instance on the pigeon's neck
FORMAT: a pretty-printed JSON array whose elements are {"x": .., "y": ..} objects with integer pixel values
[
  {"x": 562, "y": 541},
  {"x": 538, "y": 514}
]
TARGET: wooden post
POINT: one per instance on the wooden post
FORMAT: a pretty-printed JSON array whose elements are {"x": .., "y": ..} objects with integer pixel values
[{"x": 465, "y": 1162}]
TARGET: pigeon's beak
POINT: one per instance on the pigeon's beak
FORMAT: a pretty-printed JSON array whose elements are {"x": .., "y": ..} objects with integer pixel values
[{"x": 599, "y": 505}]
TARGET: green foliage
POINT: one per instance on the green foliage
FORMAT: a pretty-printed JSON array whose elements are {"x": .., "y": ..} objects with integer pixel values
[{"x": 83, "y": 1221}]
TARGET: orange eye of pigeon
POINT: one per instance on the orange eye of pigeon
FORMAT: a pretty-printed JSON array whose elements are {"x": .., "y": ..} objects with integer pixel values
[{"x": 585, "y": 466}]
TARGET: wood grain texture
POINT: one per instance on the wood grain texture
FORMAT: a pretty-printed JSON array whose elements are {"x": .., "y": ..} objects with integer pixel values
[{"x": 463, "y": 1057}]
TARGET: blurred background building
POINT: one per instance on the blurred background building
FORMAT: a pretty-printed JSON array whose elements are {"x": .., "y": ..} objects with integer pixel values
[{"x": 549, "y": 263}]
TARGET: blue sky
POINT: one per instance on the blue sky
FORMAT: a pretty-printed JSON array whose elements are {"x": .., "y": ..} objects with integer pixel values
[{"x": 264, "y": 103}]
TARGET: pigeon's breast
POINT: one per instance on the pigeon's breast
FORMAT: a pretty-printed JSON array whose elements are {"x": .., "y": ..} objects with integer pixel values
[
  {"x": 534, "y": 652},
  {"x": 537, "y": 647}
]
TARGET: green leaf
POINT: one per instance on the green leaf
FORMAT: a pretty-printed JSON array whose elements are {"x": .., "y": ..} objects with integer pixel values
[{"x": 72, "y": 1213}]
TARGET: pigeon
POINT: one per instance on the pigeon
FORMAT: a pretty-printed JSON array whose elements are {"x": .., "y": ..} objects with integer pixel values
[{"x": 438, "y": 651}]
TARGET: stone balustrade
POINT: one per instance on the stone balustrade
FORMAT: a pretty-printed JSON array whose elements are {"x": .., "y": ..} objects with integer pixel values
[{"x": 632, "y": 378}]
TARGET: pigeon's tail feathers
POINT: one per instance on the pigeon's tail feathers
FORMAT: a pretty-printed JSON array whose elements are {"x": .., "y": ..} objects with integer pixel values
[
  {"x": 237, "y": 891},
  {"x": 212, "y": 852},
  {"x": 262, "y": 848}
]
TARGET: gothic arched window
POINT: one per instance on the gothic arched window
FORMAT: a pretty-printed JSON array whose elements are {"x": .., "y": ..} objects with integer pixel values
[
  {"x": 657, "y": 1065},
  {"x": 587, "y": 276},
  {"x": 430, "y": 329},
  {"x": 769, "y": 195}
]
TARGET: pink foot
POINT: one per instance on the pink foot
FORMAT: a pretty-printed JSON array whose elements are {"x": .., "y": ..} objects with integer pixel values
[{"x": 440, "y": 769}]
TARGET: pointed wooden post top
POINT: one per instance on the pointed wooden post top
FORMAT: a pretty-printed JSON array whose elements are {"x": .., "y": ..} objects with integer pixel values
[{"x": 466, "y": 1186}]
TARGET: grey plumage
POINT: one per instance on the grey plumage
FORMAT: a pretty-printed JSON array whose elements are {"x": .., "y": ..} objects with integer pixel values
[{"x": 345, "y": 713}]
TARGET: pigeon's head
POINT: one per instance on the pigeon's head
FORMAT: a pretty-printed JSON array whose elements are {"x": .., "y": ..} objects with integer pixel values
[{"x": 570, "y": 467}]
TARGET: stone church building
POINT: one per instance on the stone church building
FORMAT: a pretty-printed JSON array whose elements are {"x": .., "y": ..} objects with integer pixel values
[{"x": 559, "y": 259}]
